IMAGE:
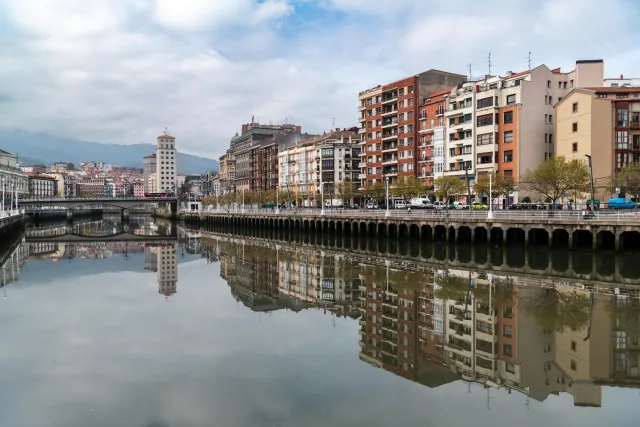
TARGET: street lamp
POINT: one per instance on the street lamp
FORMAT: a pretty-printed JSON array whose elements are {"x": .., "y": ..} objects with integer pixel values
[
  {"x": 592, "y": 205},
  {"x": 243, "y": 200},
  {"x": 386, "y": 190},
  {"x": 321, "y": 198}
]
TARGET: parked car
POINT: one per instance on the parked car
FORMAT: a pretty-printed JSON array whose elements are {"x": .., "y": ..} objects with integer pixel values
[
  {"x": 371, "y": 205},
  {"x": 477, "y": 206},
  {"x": 440, "y": 205},
  {"x": 420, "y": 203},
  {"x": 459, "y": 205},
  {"x": 620, "y": 203},
  {"x": 400, "y": 204}
]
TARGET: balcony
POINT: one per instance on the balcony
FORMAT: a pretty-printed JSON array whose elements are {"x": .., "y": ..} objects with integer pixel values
[
  {"x": 362, "y": 130},
  {"x": 422, "y": 116},
  {"x": 389, "y": 112},
  {"x": 424, "y": 159},
  {"x": 456, "y": 110},
  {"x": 392, "y": 122},
  {"x": 362, "y": 165},
  {"x": 387, "y": 99},
  {"x": 390, "y": 172},
  {"x": 486, "y": 148},
  {"x": 460, "y": 125},
  {"x": 362, "y": 176},
  {"x": 390, "y": 160},
  {"x": 362, "y": 119},
  {"x": 634, "y": 125},
  {"x": 440, "y": 112},
  {"x": 389, "y": 147},
  {"x": 390, "y": 135},
  {"x": 362, "y": 107}
]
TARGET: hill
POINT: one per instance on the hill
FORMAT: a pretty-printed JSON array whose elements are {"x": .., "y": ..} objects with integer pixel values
[{"x": 47, "y": 149}]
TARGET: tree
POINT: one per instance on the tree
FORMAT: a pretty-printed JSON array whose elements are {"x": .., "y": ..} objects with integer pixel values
[
  {"x": 628, "y": 181},
  {"x": 377, "y": 191},
  {"x": 347, "y": 190},
  {"x": 449, "y": 186},
  {"x": 71, "y": 166},
  {"x": 501, "y": 185},
  {"x": 407, "y": 187},
  {"x": 209, "y": 200},
  {"x": 558, "y": 310},
  {"x": 557, "y": 176},
  {"x": 283, "y": 196}
]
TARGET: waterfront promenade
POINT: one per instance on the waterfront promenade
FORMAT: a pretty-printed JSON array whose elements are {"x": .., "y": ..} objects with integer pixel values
[
  {"x": 614, "y": 230},
  {"x": 10, "y": 219}
]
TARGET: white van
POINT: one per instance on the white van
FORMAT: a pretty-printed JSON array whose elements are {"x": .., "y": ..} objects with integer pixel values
[
  {"x": 333, "y": 203},
  {"x": 420, "y": 203}
]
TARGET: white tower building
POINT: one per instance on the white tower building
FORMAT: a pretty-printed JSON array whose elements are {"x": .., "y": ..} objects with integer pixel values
[{"x": 166, "y": 164}]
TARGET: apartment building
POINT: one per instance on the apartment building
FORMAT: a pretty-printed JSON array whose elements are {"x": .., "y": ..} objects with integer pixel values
[
  {"x": 148, "y": 167},
  {"x": 42, "y": 186},
  {"x": 506, "y": 123},
  {"x": 263, "y": 174},
  {"x": 13, "y": 177},
  {"x": 431, "y": 137},
  {"x": 322, "y": 161},
  {"x": 389, "y": 117},
  {"x": 243, "y": 147},
  {"x": 603, "y": 122},
  {"x": 621, "y": 82},
  {"x": 167, "y": 269},
  {"x": 166, "y": 163}
]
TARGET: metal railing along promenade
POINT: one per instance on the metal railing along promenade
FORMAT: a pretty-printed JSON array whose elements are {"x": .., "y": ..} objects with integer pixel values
[
  {"x": 11, "y": 213},
  {"x": 617, "y": 216}
]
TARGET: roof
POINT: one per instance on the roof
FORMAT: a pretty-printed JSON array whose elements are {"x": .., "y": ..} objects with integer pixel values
[
  {"x": 521, "y": 73},
  {"x": 4, "y": 152},
  {"x": 615, "y": 89},
  {"x": 150, "y": 155},
  {"x": 589, "y": 61},
  {"x": 166, "y": 136}
]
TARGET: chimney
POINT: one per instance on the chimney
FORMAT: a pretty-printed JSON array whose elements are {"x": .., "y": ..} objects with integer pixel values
[{"x": 621, "y": 77}]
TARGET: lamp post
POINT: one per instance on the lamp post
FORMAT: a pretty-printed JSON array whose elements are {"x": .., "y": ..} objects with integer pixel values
[
  {"x": 592, "y": 205},
  {"x": 321, "y": 198},
  {"x": 243, "y": 200},
  {"x": 386, "y": 191},
  {"x": 218, "y": 200},
  {"x": 3, "y": 184},
  {"x": 490, "y": 214}
]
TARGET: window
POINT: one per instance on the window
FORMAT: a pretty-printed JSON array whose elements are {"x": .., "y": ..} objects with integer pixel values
[
  {"x": 507, "y": 350},
  {"x": 410, "y": 115},
  {"x": 550, "y": 118},
  {"x": 574, "y": 107},
  {"x": 485, "y": 139},
  {"x": 574, "y": 346},
  {"x": 507, "y": 331},
  {"x": 508, "y": 136},
  {"x": 507, "y": 117},
  {"x": 574, "y": 365},
  {"x": 623, "y": 117},
  {"x": 570, "y": 83},
  {"x": 410, "y": 90},
  {"x": 574, "y": 147},
  {"x": 511, "y": 368},
  {"x": 574, "y": 127},
  {"x": 508, "y": 156},
  {"x": 485, "y": 102},
  {"x": 548, "y": 83},
  {"x": 511, "y": 99},
  {"x": 622, "y": 139},
  {"x": 409, "y": 102},
  {"x": 485, "y": 120}
]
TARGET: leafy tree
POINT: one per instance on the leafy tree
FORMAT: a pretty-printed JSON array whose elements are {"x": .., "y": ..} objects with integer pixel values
[
  {"x": 501, "y": 185},
  {"x": 283, "y": 196},
  {"x": 71, "y": 166},
  {"x": 526, "y": 199},
  {"x": 209, "y": 200},
  {"x": 628, "y": 181},
  {"x": 377, "y": 191},
  {"x": 557, "y": 310},
  {"x": 556, "y": 176},
  {"x": 347, "y": 190},
  {"x": 449, "y": 186}
]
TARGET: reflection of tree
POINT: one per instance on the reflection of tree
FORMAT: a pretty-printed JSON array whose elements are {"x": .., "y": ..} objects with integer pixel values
[
  {"x": 452, "y": 287},
  {"x": 556, "y": 311},
  {"x": 626, "y": 314}
]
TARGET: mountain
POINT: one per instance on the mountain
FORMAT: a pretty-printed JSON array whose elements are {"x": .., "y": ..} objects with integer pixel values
[{"x": 47, "y": 149}]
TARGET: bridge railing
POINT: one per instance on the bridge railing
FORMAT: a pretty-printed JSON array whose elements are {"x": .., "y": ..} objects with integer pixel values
[
  {"x": 10, "y": 213},
  {"x": 95, "y": 199},
  {"x": 631, "y": 216}
]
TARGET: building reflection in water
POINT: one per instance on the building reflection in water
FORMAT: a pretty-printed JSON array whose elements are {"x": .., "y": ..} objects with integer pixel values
[
  {"x": 162, "y": 259},
  {"x": 435, "y": 326}
]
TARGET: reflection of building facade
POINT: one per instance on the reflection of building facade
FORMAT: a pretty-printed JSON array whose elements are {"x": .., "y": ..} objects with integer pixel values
[
  {"x": 167, "y": 269},
  {"x": 13, "y": 263}
]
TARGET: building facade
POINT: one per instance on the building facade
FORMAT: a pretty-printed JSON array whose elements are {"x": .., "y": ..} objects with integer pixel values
[
  {"x": 166, "y": 164},
  {"x": 91, "y": 187},
  {"x": 42, "y": 186},
  {"x": 389, "y": 115},
  {"x": 603, "y": 122},
  {"x": 148, "y": 167},
  {"x": 12, "y": 177},
  {"x": 431, "y": 138}
]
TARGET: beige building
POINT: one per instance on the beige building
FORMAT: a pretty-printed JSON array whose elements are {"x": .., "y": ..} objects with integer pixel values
[
  {"x": 297, "y": 169},
  {"x": 603, "y": 122},
  {"x": 167, "y": 270},
  {"x": 166, "y": 164}
]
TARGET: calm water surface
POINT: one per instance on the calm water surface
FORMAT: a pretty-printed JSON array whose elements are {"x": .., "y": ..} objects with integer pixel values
[{"x": 204, "y": 329}]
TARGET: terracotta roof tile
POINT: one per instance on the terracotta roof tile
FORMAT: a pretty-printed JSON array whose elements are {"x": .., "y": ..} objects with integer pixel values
[{"x": 166, "y": 136}]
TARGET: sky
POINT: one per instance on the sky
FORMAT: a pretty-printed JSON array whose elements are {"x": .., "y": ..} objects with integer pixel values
[{"x": 120, "y": 71}]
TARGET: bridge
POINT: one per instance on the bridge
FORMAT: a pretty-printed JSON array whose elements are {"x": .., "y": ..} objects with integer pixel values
[
  {"x": 67, "y": 233},
  {"x": 123, "y": 203},
  {"x": 605, "y": 230}
]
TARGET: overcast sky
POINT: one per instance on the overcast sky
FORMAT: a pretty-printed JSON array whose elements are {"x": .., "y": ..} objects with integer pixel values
[{"x": 121, "y": 70}]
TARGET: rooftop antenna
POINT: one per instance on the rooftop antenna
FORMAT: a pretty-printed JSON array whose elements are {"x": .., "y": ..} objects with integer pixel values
[
  {"x": 489, "y": 61},
  {"x": 529, "y": 61},
  {"x": 470, "y": 71},
  {"x": 165, "y": 130}
]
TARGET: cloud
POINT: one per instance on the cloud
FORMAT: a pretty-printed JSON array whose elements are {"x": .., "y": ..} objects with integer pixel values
[{"x": 121, "y": 70}]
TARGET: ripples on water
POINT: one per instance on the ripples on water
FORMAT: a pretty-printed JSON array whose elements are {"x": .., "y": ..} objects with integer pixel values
[{"x": 262, "y": 329}]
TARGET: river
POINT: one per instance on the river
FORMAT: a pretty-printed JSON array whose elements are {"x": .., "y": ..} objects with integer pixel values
[{"x": 150, "y": 324}]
